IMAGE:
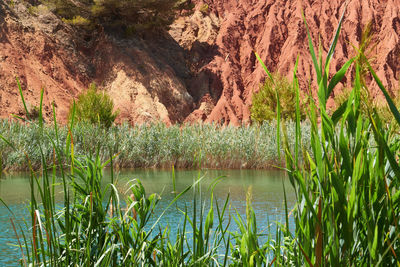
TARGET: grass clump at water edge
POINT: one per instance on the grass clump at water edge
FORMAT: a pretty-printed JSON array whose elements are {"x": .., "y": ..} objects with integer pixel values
[{"x": 154, "y": 145}]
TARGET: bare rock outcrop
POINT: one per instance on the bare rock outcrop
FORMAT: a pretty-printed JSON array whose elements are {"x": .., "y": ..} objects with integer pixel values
[
  {"x": 276, "y": 31},
  {"x": 145, "y": 78},
  {"x": 203, "y": 69}
]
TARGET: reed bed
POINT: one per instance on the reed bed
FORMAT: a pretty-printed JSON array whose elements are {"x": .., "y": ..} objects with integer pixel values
[
  {"x": 152, "y": 146},
  {"x": 348, "y": 190}
]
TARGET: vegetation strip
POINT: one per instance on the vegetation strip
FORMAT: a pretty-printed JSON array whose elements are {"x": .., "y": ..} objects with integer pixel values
[{"x": 156, "y": 145}]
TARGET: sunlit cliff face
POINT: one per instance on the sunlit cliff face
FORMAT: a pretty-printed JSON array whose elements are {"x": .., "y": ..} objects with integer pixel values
[{"x": 204, "y": 68}]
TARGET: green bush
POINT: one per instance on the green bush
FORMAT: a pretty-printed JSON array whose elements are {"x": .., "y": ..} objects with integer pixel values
[
  {"x": 94, "y": 107},
  {"x": 265, "y": 102},
  {"x": 154, "y": 14}
]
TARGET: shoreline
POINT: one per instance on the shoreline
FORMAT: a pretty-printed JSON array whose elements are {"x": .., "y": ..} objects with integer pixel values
[{"x": 154, "y": 146}]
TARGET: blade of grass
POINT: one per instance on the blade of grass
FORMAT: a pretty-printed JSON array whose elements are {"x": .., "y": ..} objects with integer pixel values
[
  {"x": 390, "y": 102},
  {"x": 338, "y": 77},
  {"x": 317, "y": 68},
  {"x": 264, "y": 67},
  {"x": 41, "y": 110},
  {"x": 298, "y": 129},
  {"x": 22, "y": 96},
  {"x": 7, "y": 142},
  {"x": 335, "y": 39}
]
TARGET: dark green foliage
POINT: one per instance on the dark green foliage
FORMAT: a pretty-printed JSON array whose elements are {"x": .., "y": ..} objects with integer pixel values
[
  {"x": 347, "y": 211},
  {"x": 94, "y": 107},
  {"x": 367, "y": 101},
  {"x": 265, "y": 100},
  {"x": 124, "y": 14}
]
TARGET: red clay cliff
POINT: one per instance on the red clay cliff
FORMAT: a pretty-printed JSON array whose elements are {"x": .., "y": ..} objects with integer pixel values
[{"x": 203, "y": 69}]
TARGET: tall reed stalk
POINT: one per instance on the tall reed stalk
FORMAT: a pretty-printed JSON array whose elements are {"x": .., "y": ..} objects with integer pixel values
[{"x": 347, "y": 210}]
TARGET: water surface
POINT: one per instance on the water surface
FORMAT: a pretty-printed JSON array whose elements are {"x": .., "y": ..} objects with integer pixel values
[{"x": 266, "y": 187}]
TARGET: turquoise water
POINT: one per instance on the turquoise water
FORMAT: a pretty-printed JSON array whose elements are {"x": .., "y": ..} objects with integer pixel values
[{"x": 267, "y": 192}]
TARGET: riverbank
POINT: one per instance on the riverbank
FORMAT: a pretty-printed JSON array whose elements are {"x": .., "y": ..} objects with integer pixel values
[{"x": 153, "y": 145}]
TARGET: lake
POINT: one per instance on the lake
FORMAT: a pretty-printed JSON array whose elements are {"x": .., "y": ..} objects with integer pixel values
[{"x": 267, "y": 197}]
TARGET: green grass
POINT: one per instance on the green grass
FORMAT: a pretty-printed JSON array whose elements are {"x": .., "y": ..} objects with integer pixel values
[
  {"x": 154, "y": 145},
  {"x": 95, "y": 225}
]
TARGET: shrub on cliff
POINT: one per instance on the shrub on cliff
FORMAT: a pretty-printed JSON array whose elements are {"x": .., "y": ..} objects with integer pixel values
[
  {"x": 135, "y": 13},
  {"x": 126, "y": 14},
  {"x": 94, "y": 107},
  {"x": 264, "y": 102}
]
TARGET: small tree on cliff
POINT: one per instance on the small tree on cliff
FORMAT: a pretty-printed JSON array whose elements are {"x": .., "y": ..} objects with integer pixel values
[
  {"x": 264, "y": 102},
  {"x": 94, "y": 107}
]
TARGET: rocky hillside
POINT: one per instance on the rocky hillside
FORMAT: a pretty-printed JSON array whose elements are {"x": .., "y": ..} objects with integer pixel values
[
  {"x": 275, "y": 29},
  {"x": 146, "y": 76},
  {"x": 204, "y": 68}
]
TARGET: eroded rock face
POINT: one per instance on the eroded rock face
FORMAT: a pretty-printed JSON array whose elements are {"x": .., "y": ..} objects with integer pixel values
[
  {"x": 276, "y": 31},
  {"x": 145, "y": 78},
  {"x": 40, "y": 57},
  {"x": 203, "y": 70}
]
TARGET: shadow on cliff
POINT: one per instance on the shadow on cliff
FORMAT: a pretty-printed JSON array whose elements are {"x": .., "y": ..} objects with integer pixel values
[
  {"x": 3, "y": 26},
  {"x": 203, "y": 80},
  {"x": 159, "y": 63}
]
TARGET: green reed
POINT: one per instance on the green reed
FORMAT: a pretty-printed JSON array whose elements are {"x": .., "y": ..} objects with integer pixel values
[
  {"x": 347, "y": 210},
  {"x": 97, "y": 225},
  {"x": 155, "y": 145}
]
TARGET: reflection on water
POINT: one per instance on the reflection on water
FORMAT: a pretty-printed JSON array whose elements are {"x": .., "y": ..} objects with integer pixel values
[{"x": 267, "y": 192}]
